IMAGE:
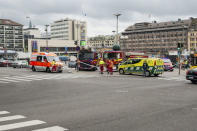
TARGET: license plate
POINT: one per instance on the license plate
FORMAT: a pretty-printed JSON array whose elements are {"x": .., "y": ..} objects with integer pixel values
[{"x": 191, "y": 77}]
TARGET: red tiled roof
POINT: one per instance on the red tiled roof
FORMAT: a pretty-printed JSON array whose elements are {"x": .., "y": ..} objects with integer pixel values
[{"x": 9, "y": 22}]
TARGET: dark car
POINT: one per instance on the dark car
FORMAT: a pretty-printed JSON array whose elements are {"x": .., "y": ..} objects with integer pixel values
[
  {"x": 192, "y": 75},
  {"x": 72, "y": 64},
  {"x": 64, "y": 58}
]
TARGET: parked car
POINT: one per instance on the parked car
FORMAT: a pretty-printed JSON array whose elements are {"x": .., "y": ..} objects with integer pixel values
[
  {"x": 168, "y": 65},
  {"x": 64, "y": 59},
  {"x": 20, "y": 64},
  {"x": 192, "y": 75},
  {"x": 5, "y": 63},
  {"x": 72, "y": 64}
]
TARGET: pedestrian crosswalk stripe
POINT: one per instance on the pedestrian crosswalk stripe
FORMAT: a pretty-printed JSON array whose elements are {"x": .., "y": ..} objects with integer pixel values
[
  {"x": 9, "y": 80},
  {"x": 4, "y": 112},
  {"x": 3, "y": 82},
  {"x": 54, "y": 128},
  {"x": 8, "y": 118},
  {"x": 42, "y": 77},
  {"x": 21, "y": 125}
]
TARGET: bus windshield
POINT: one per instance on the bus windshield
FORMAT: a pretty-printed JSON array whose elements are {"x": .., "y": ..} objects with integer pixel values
[{"x": 86, "y": 56}]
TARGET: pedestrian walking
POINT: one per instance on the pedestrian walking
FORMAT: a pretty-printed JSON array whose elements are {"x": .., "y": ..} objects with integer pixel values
[
  {"x": 77, "y": 65},
  {"x": 110, "y": 67},
  {"x": 145, "y": 67},
  {"x": 101, "y": 64}
]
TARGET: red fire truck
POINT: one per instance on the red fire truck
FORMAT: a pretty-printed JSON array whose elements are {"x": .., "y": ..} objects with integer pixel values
[{"x": 88, "y": 59}]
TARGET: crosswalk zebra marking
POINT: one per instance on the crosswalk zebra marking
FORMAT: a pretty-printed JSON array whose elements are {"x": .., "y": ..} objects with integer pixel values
[
  {"x": 10, "y": 79},
  {"x": 8, "y": 118},
  {"x": 21, "y": 125},
  {"x": 25, "y": 123},
  {"x": 4, "y": 112},
  {"x": 54, "y": 128}
]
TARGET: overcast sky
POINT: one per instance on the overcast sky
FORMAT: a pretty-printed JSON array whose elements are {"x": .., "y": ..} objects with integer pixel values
[{"x": 97, "y": 13}]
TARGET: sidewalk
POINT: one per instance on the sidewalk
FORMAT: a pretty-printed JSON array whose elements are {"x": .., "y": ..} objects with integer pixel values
[{"x": 175, "y": 73}]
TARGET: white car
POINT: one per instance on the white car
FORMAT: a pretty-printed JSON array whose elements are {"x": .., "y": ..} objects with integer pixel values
[{"x": 20, "y": 64}]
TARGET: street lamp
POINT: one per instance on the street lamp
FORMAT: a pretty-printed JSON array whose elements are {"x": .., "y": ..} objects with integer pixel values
[
  {"x": 117, "y": 15},
  {"x": 47, "y": 46},
  {"x": 114, "y": 35}
]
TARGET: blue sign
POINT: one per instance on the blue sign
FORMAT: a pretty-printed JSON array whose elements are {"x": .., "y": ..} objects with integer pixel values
[
  {"x": 34, "y": 46},
  {"x": 78, "y": 48},
  {"x": 66, "y": 49}
]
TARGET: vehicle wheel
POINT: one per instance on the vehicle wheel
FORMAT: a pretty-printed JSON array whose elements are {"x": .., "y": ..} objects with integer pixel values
[
  {"x": 48, "y": 70},
  {"x": 156, "y": 75},
  {"x": 193, "y": 81},
  {"x": 33, "y": 68},
  {"x": 147, "y": 73},
  {"x": 121, "y": 71},
  {"x": 60, "y": 71}
]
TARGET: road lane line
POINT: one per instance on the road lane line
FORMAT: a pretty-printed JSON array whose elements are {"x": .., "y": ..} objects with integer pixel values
[
  {"x": 9, "y": 118},
  {"x": 21, "y": 125},
  {"x": 54, "y": 128},
  {"x": 3, "y": 82},
  {"x": 4, "y": 112},
  {"x": 7, "y": 80}
]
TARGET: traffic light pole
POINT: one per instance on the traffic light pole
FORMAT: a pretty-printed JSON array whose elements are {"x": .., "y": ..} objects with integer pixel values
[{"x": 179, "y": 64}]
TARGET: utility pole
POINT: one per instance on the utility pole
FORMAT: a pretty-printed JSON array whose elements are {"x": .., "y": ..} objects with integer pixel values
[
  {"x": 117, "y": 15},
  {"x": 47, "y": 46}
]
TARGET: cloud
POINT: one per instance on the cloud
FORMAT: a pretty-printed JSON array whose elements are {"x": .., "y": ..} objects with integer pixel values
[{"x": 98, "y": 12}]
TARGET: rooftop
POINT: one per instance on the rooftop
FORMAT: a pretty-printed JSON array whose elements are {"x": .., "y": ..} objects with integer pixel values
[{"x": 9, "y": 22}]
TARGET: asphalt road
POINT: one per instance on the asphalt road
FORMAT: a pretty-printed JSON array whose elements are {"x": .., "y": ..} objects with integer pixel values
[{"x": 88, "y": 101}]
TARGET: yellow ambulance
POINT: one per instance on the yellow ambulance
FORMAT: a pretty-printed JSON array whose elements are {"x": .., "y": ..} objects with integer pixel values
[{"x": 135, "y": 66}]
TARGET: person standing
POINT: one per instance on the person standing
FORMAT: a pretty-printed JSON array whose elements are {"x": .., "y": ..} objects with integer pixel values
[
  {"x": 77, "y": 65},
  {"x": 110, "y": 67},
  {"x": 101, "y": 64},
  {"x": 53, "y": 65},
  {"x": 145, "y": 67}
]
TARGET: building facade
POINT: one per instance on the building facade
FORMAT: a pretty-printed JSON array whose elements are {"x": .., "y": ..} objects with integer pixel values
[
  {"x": 99, "y": 42},
  {"x": 69, "y": 29},
  {"x": 192, "y": 40},
  {"x": 60, "y": 47},
  {"x": 11, "y": 35},
  {"x": 158, "y": 38}
]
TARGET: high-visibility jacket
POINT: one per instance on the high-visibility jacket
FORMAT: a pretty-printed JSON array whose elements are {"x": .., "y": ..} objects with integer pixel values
[
  {"x": 101, "y": 62},
  {"x": 53, "y": 62}
]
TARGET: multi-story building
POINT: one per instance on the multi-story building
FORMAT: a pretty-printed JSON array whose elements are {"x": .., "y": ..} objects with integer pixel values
[
  {"x": 99, "y": 42},
  {"x": 69, "y": 29},
  {"x": 11, "y": 35},
  {"x": 192, "y": 40},
  {"x": 157, "y": 38}
]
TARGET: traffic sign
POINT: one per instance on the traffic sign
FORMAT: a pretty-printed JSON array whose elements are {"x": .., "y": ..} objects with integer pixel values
[{"x": 78, "y": 48}]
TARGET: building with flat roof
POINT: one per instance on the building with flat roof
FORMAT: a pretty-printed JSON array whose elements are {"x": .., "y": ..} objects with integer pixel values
[
  {"x": 69, "y": 29},
  {"x": 60, "y": 47},
  {"x": 11, "y": 35},
  {"x": 99, "y": 42},
  {"x": 158, "y": 38}
]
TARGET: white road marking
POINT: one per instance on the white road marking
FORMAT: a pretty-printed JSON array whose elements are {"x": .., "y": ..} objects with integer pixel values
[
  {"x": 3, "y": 82},
  {"x": 21, "y": 124},
  {"x": 8, "y": 118},
  {"x": 54, "y": 128},
  {"x": 6, "y": 80},
  {"x": 4, "y": 112}
]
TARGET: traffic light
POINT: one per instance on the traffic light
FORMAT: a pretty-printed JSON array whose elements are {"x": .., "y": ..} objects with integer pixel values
[{"x": 76, "y": 42}]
